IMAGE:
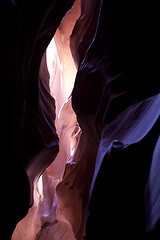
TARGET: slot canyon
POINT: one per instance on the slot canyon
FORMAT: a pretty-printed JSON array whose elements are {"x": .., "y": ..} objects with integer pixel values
[{"x": 80, "y": 120}]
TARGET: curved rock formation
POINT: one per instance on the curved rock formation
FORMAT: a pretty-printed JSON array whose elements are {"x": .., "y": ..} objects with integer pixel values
[{"x": 81, "y": 119}]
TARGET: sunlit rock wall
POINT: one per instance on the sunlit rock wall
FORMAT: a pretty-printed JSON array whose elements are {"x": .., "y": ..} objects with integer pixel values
[{"x": 81, "y": 119}]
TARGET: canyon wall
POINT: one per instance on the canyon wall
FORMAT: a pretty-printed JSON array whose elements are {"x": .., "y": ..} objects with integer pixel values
[{"x": 80, "y": 112}]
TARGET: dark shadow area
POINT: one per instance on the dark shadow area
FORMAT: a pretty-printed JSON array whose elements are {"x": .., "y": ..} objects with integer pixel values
[{"x": 116, "y": 208}]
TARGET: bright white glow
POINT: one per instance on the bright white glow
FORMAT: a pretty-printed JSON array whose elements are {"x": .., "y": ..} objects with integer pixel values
[
  {"x": 38, "y": 191},
  {"x": 61, "y": 69},
  {"x": 75, "y": 138},
  {"x": 52, "y": 56},
  {"x": 55, "y": 69}
]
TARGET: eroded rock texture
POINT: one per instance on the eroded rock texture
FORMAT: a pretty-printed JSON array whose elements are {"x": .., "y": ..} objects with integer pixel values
[{"x": 80, "y": 109}]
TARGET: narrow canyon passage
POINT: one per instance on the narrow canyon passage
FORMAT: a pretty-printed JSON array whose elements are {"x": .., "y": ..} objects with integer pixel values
[
  {"x": 61, "y": 191},
  {"x": 80, "y": 104}
]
